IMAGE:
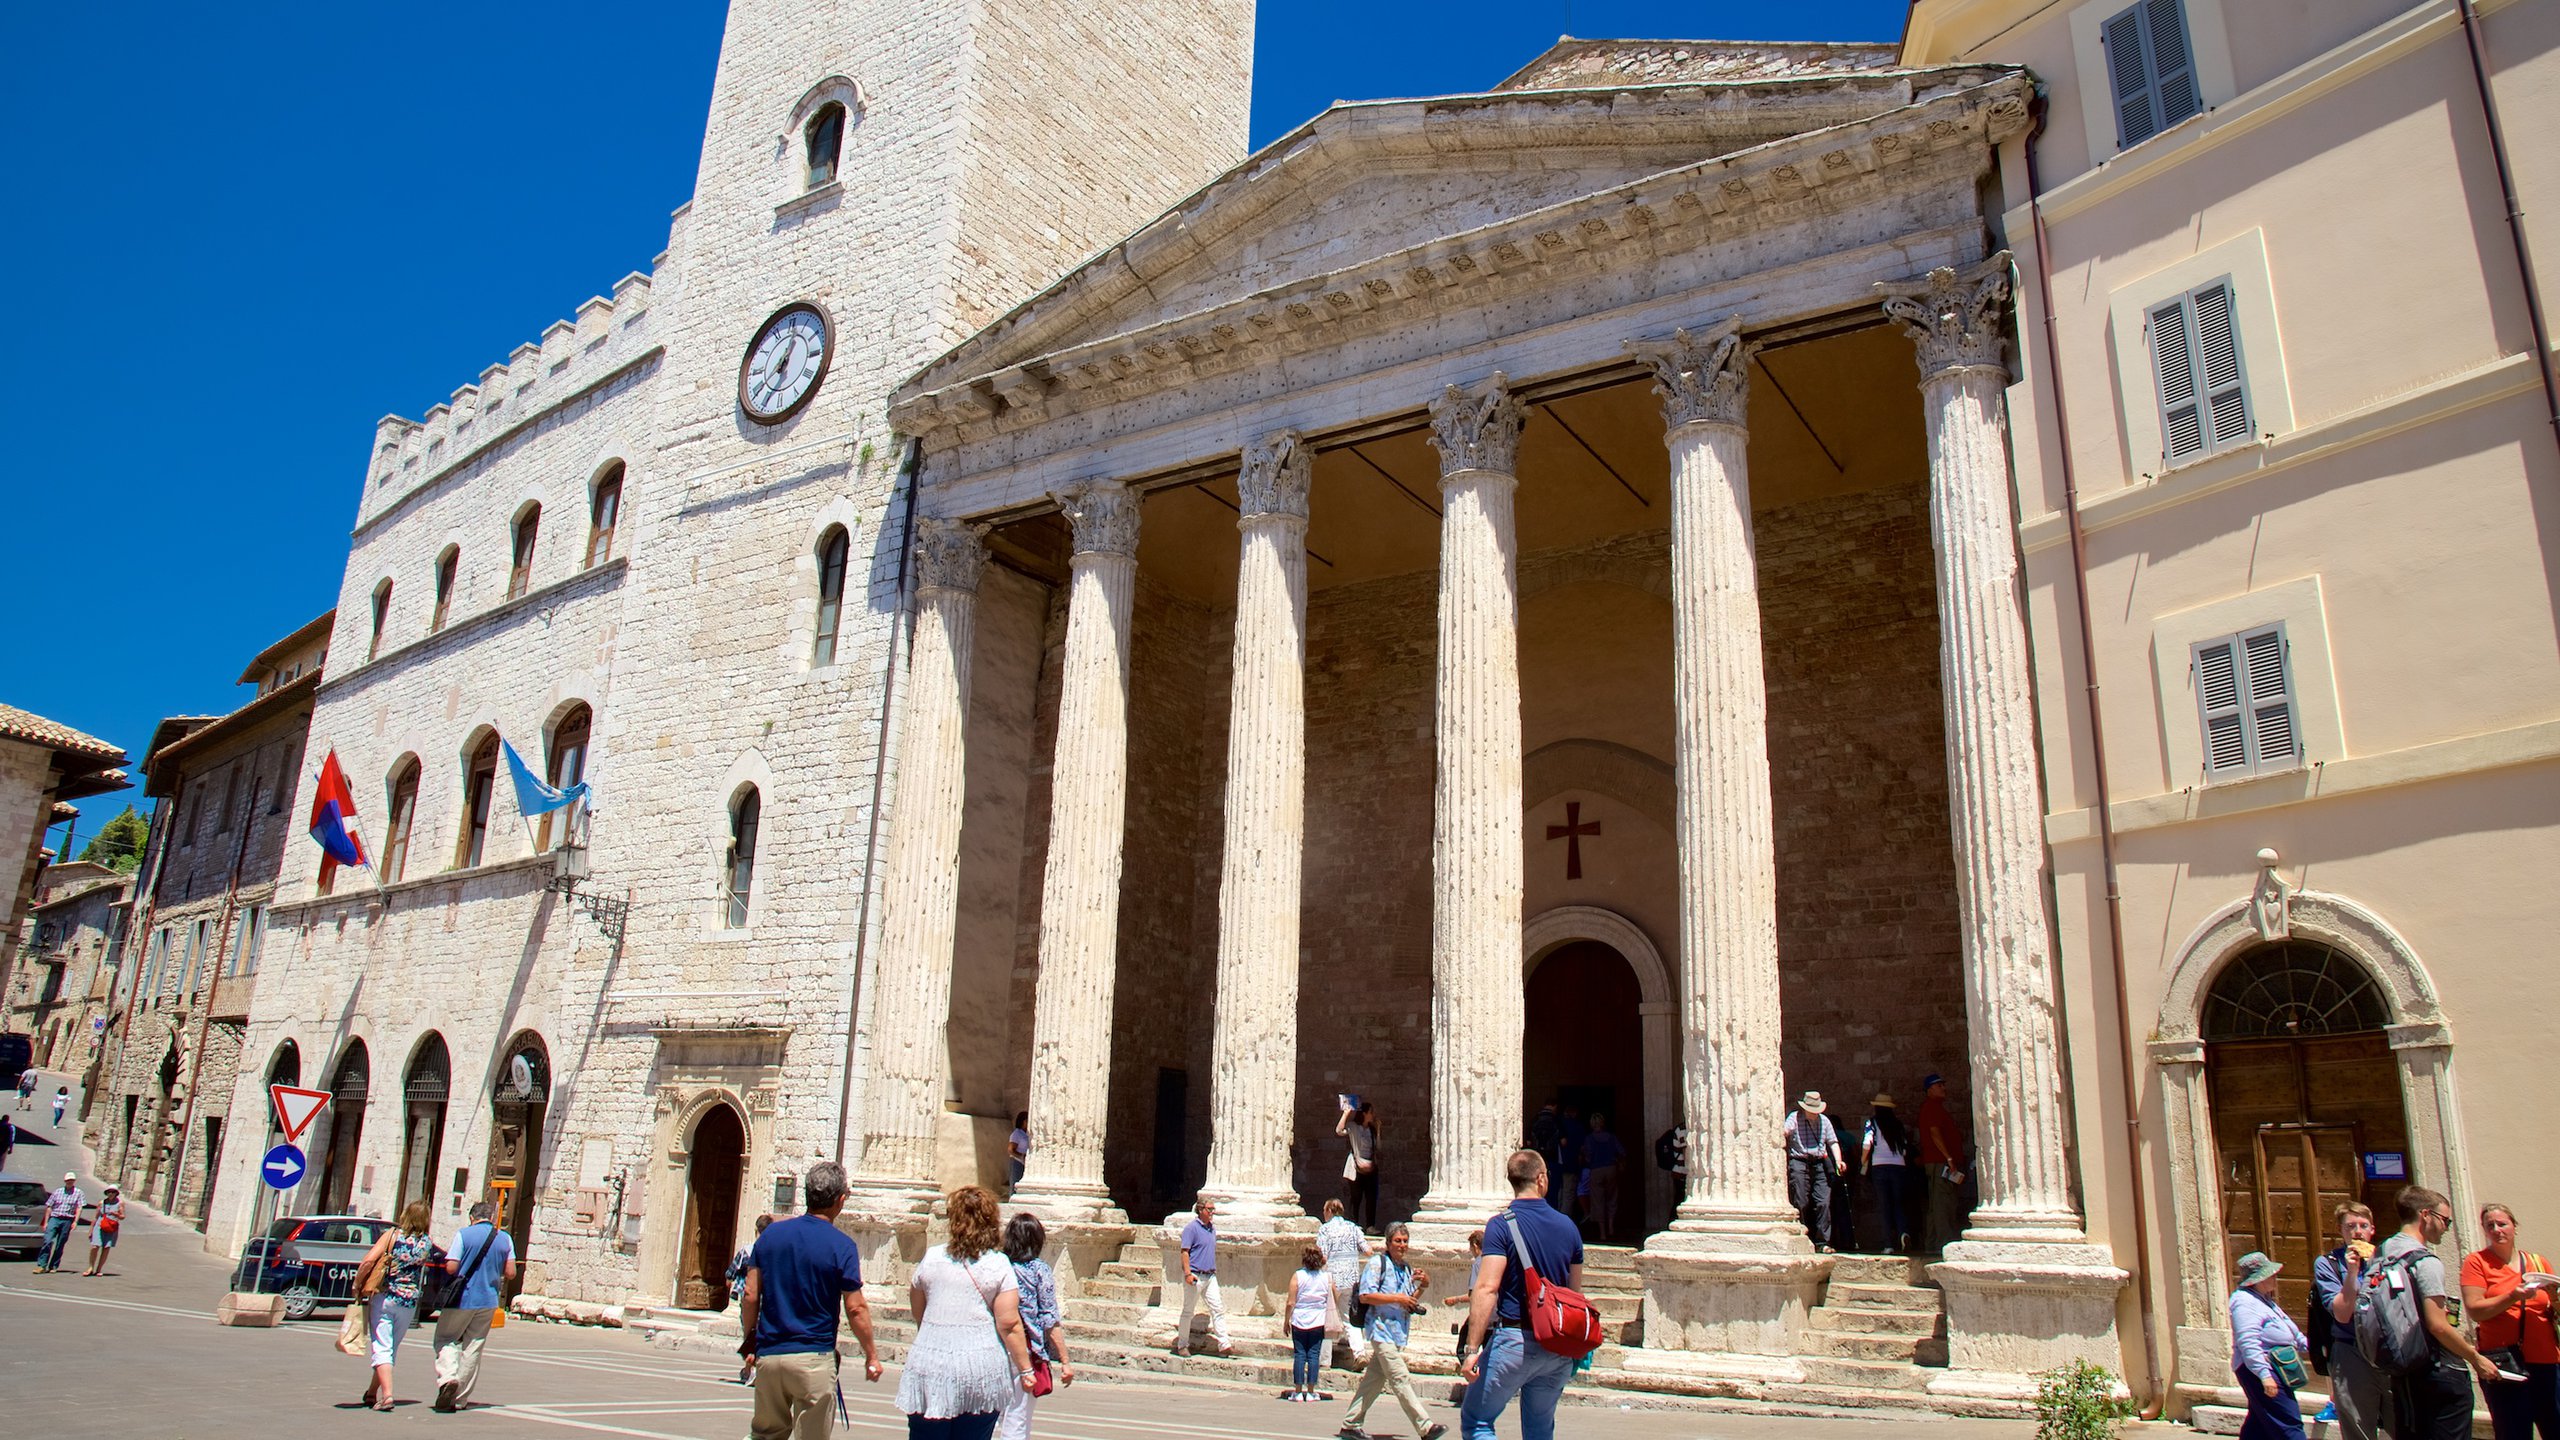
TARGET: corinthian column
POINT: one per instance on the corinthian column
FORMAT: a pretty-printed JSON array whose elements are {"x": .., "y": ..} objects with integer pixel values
[
  {"x": 911, "y": 996},
  {"x": 1736, "y": 1091},
  {"x": 1257, "y": 1012},
  {"x": 1476, "y": 859},
  {"x": 1080, "y": 893},
  {"x": 2027, "y": 1228}
]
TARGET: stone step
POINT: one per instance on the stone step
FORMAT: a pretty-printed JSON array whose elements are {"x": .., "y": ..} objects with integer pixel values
[
  {"x": 1856, "y": 1321},
  {"x": 1880, "y": 1270},
  {"x": 1127, "y": 1291},
  {"x": 1149, "y": 1271},
  {"x": 1830, "y": 1370},
  {"x": 1845, "y": 1345},
  {"x": 1908, "y": 1298}
]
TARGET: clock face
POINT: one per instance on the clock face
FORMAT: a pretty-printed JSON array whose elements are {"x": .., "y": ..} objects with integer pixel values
[{"x": 784, "y": 364}]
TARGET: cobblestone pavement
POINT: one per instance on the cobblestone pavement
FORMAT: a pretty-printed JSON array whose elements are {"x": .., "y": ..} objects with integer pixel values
[{"x": 135, "y": 1352}]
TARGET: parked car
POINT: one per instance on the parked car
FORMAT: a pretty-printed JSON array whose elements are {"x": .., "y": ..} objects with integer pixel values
[
  {"x": 311, "y": 1261},
  {"x": 21, "y": 1214}
]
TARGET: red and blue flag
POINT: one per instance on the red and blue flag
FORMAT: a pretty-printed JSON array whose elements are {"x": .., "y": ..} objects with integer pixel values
[{"x": 333, "y": 821}]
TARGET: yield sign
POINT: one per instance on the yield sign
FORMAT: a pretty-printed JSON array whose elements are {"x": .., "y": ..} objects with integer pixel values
[{"x": 295, "y": 1107}]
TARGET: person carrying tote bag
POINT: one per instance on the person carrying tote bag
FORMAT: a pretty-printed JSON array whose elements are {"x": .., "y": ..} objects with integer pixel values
[{"x": 390, "y": 1284}]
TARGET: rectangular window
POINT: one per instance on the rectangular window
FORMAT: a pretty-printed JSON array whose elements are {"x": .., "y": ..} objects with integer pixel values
[
  {"x": 2151, "y": 69},
  {"x": 477, "y": 794},
  {"x": 257, "y": 938},
  {"x": 2245, "y": 702},
  {"x": 158, "y": 961},
  {"x": 2196, "y": 370}
]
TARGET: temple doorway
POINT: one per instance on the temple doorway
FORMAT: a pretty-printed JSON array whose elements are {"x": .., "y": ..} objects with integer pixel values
[
  {"x": 1584, "y": 1052},
  {"x": 712, "y": 1179},
  {"x": 2306, "y": 1103}
]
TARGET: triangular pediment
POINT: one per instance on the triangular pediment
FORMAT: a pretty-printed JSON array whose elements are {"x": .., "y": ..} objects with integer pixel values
[{"x": 1376, "y": 179}]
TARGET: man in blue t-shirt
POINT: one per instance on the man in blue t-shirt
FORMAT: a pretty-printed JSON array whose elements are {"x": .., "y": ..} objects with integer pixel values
[
  {"x": 477, "y": 1260},
  {"x": 800, "y": 1271},
  {"x": 1503, "y": 1358}
]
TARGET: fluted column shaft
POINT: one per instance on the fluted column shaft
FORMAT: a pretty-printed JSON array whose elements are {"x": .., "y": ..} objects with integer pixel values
[
  {"x": 1254, "y": 1091},
  {"x": 1994, "y": 787},
  {"x": 1736, "y": 1089},
  {"x": 911, "y": 994},
  {"x": 1080, "y": 892},
  {"x": 1476, "y": 850}
]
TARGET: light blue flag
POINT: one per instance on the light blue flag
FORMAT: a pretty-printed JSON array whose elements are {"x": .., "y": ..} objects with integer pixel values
[{"x": 532, "y": 796}]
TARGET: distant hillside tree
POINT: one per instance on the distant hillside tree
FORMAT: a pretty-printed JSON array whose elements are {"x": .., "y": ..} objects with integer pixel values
[{"x": 119, "y": 843}]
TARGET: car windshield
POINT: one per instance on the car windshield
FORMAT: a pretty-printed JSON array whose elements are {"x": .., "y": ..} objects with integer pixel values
[
  {"x": 21, "y": 1192},
  {"x": 282, "y": 1229},
  {"x": 343, "y": 1232}
]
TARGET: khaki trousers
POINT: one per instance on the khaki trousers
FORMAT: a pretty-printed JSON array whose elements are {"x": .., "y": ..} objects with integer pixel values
[
  {"x": 1386, "y": 1371},
  {"x": 795, "y": 1397},
  {"x": 459, "y": 1336}
]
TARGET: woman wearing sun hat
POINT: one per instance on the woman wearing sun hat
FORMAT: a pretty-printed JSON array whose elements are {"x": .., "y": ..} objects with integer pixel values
[{"x": 2266, "y": 1353}]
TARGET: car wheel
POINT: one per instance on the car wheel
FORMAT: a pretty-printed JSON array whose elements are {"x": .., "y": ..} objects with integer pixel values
[{"x": 299, "y": 1302}]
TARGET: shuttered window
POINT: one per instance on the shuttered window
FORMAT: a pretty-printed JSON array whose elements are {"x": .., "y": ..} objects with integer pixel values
[
  {"x": 2151, "y": 67},
  {"x": 2195, "y": 362},
  {"x": 2244, "y": 699}
]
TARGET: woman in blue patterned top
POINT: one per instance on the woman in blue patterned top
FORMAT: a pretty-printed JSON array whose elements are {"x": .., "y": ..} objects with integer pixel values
[
  {"x": 401, "y": 1256},
  {"x": 1042, "y": 1325}
]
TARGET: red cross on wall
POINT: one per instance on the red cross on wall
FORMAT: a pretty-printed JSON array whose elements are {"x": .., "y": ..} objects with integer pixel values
[{"x": 1571, "y": 833}]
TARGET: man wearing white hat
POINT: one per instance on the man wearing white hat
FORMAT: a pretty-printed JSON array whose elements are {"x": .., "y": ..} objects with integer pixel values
[
  {"x": 61, "y": 1212},
  {"x": 1813, "y": 1166}
]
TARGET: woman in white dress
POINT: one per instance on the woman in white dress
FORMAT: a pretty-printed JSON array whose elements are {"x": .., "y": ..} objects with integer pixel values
[
  {"x": 969, "y": 1349},
  {"x": 1344, "y": 1248}
]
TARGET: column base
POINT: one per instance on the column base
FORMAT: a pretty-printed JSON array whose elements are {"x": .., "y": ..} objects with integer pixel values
[
  {"x": 1065, "y": 1202},
  {"x": 889, "y": 1229},
  {"x": 2021, "y": 1300},
  {"x": 1443, "y": 1220},
  {"x": 1731, "y": 1292},
  {"x": 1245, "y": 1212}
]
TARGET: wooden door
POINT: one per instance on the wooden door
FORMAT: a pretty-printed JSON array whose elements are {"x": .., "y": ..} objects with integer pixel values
[
  {"x": 2293, "y": 1120},
  {"x": 712, "y": 1180}
]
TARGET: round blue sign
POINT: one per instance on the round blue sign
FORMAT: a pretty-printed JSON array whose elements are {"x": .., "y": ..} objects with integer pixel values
[{"x": 283, "y": 1167}]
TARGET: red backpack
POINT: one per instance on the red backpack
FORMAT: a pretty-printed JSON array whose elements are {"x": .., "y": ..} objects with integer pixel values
[{"x": 1561, "y": 1319}]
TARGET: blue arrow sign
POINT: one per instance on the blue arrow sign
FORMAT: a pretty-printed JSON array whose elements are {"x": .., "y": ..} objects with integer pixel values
[{"x": 283, "y": 1167}]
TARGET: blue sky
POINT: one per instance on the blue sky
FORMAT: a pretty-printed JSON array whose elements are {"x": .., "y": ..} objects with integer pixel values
[{"x": 240, "y": 234}]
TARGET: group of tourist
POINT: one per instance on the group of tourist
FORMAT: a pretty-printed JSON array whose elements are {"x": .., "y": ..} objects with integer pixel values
[
  {"x": 2386, "y": 1327},
  {"x": 64, "y": 1206},
  {"x": 391, "y": 1288},
  {"x": 1917, "y": 1172},
  {"x": 1586, "y": 1162}
]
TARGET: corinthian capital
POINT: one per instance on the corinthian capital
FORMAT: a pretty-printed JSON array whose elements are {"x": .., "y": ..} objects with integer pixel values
[
  {"x": 1105, "y": 516},
  {"x": 949, "y": 554},
  {"x": 1477, "y": 429},
  {"x": 1277, "y": 468},
  {"x": 1954, "y": 316},
  {"x": 1702, "y": 379}
]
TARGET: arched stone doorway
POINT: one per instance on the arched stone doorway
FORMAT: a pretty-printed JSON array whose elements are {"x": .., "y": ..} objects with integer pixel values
[
  {"x": 1612, "y": 970},
  {"x": 428, "y": 1085},
  {"x": 714, "y": 1174},
  {"x": 518, "y": 1103},
  {"x": 350, "y": 1085},
  {"x": 2250, "y": 943}
]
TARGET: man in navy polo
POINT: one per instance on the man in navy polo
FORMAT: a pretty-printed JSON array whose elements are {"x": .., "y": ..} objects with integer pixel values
[
  {"x": 1503, "y": 1358},
  {"x": 803, "y": 1270}
]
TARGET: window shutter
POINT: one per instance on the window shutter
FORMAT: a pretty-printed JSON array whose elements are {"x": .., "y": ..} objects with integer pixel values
[
  {"x": 2272, "y": 737},
  {"x": 2217, "y": 357},
  {"x": 2130, "y": 73},
  {"x": 2173, "y": 364},
  {"x": 2173, "y": 62},
  {"x": 2226, "y": 740}
]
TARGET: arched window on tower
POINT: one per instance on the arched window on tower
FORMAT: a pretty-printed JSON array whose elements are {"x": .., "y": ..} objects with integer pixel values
[
  {"x": 737, "y": 882},
  {"x": 568, "y": 766},
  {"x": 825, "y": 136},
  {"x": 520, "y": 574},
  {"x": 404, "y": 816},
  {"x": 479, "y": 793},
  {"x": 604, "y": 512},
  {"x": 833, "y": 550},
  {"x": 448, "y": 565},
  {"x": 381, "y": 616}
]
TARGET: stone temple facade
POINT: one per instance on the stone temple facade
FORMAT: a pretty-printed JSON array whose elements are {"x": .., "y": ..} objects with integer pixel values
[{"x": 1573, "y": 593}]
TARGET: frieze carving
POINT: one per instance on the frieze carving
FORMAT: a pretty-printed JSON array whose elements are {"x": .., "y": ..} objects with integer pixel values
[
  {"x": 1477, "y": 429},
  {"x": 760, "y": 1100},
  {"x": 1703, "y": 379},
  {"x": 1953, "y": 317},
  {"x": 1104, "y": 514},
  {"x": 1274, "y": 480},
  {"x": 950, "y": 554},
  {"x": 670, "y": 1099}
]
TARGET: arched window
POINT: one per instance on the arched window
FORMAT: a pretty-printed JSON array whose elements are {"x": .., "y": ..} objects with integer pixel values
[
  {"x": 568, "y": 766},
  {"x": 520, "y": 574},
  {"x": 381, "y": 615},
  {"x": 603, "y": 513},
  {"x": 746, "y": 816},
  {"x": 479, "y": 792},
  {"x": 833, "y": 548},
  {"x": 404, "y": 816},
  {"x": 2293, "y": 989},
  {"x": 448, "y": 565},
  {"x": 826, "y": 145}
]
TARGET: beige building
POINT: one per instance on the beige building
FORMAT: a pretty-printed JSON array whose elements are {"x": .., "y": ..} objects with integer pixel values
[
  {"x": 44, "y": 766},
  {"x": 58, "y": 995}
]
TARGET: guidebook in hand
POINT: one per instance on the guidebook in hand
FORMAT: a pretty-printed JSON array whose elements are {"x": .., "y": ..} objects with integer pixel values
[{"x": 1349, "y": 1103}]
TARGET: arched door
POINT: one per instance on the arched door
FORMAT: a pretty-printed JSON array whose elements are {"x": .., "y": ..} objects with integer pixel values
[
  {"x": 349, "y": 1087},
  {"x": 2305, "y": 1097},
  {"x": 429, "y": 1083},
  {"x": 518, "y": 1103},
  {"x": 1584, "y": 1052},
  {"x": 712, "y": 1181}
]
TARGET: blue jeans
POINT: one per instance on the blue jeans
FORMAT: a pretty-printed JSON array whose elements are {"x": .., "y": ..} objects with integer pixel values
[
  {"x": 1306, "y": 1357},
  {"x": 1514, "y": 1364},
  {"x": 57, "y": 1234}
]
